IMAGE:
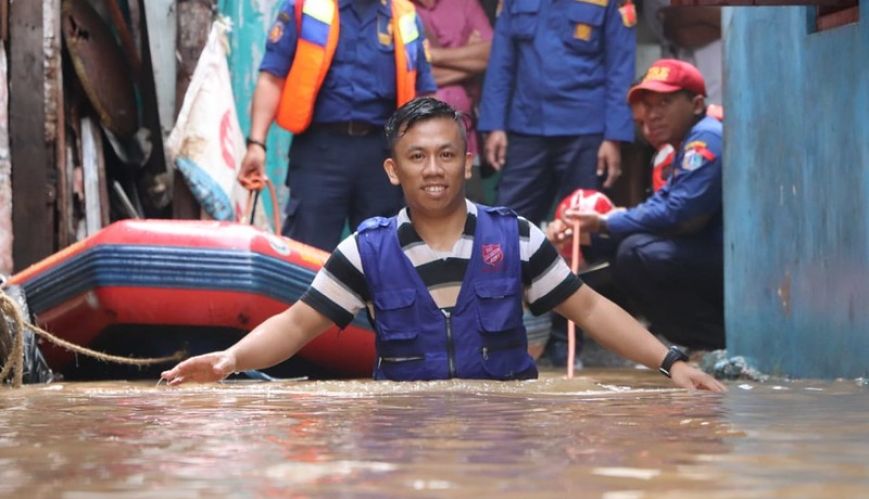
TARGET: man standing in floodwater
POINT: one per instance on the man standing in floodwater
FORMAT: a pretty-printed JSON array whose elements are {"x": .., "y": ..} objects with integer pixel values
[{"x": 405, "y": 270}]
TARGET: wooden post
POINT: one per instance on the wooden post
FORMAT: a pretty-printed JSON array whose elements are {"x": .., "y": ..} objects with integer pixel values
[
  {"x": 5, "y": 171},
  {"x": 36, "y": 126},
  {"x": 4, "y": 20},
  {"x": 93, "y": 166}
]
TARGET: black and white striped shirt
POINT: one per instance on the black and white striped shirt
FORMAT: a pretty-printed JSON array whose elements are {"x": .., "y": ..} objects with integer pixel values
[{"x": 340, "y": 290}]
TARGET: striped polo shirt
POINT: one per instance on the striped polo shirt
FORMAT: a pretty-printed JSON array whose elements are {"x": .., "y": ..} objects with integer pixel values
[{"x": 339, "y": 290}]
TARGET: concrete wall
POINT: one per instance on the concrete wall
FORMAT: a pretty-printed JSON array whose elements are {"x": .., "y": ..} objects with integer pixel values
[{"x": 796, "y": 192}]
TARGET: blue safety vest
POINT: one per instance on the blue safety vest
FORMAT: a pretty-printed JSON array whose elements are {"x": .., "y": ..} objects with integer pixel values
[{"x": 483, "y": 337}]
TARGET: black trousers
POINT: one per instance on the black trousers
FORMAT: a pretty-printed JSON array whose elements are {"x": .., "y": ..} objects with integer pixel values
[{"x": 677, "y": 283}]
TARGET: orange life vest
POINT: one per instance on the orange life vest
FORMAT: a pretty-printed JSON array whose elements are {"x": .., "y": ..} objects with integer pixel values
[{"x": 317, "y": 23}]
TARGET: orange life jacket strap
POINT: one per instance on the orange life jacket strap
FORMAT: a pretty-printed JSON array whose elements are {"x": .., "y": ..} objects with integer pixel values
[
  {"x": 310, "y": 65},
  {"x": 407, "y": 38},
  {"x": 312, "y": 60}
]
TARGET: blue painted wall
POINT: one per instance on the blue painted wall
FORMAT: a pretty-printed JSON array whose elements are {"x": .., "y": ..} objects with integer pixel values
[
  {"x": 251, "y": 21},
  {"x": 796, "y": 192}
]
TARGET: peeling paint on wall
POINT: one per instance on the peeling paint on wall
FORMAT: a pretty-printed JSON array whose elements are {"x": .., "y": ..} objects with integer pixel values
[{"x": 796, "y": 193}]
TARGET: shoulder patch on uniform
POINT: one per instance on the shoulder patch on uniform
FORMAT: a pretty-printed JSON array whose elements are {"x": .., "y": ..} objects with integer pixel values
[
  {"x": 695, "y": 158},
  {"x": 629, "y": 13},
  {"x": 694, "y": 144},
  {"x": 277, "y": 31}
]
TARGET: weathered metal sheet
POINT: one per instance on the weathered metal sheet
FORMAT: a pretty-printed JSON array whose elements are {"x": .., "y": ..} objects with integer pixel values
[
  {"x": 796, "y": 193},
  {"x": 162, "y": 22},
  {"x": 100, "y": 66}
]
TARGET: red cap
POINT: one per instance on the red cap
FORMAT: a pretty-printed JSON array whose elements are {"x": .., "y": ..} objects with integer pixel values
[{"x": 669, "y": 75}]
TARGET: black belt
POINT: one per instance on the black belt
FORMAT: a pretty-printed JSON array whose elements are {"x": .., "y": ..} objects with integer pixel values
[{"x": 351, "y": 128}]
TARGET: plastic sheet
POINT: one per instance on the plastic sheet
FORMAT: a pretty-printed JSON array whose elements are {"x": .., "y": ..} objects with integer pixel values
[{"x": 206, "y": 144}]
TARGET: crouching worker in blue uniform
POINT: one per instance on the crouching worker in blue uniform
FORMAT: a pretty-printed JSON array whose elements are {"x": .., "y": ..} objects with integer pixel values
[
  {"x": 443, "y": 281},
  {"x": 669, "y": 249}
]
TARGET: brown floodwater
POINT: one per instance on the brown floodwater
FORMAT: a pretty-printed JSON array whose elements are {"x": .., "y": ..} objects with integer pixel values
[{"x": 607, "y": 433}]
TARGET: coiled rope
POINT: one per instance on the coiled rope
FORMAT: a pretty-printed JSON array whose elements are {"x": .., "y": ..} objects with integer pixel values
[{"x": 15, "y": 363}]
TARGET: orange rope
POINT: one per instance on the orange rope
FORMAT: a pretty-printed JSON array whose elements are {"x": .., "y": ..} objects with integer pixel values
[{"x": 254, "y": 187}]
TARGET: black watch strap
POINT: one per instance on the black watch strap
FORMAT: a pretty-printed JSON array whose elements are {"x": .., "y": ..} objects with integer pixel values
[
  {"x": 249, "y": 141},
  {"x": 673, "y": 355}
]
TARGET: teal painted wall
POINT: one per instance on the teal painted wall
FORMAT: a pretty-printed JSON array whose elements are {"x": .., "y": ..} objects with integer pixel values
[
  {"x": 251, "y": 20},
  {"x": 796, "y": 192}
]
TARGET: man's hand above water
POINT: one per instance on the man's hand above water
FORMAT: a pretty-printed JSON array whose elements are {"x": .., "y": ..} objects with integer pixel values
[
  {"x": 206, "y": 368},
  {"x": 687, "y": 376}
]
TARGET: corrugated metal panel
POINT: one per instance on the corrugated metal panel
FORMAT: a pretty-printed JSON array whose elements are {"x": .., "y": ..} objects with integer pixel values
[{"x": 796, "y": 192}]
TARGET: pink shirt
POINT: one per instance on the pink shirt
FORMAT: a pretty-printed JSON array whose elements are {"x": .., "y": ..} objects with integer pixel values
[{"x": 449, "y": 24}]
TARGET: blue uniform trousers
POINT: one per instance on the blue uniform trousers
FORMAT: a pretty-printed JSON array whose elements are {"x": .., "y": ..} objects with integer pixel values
[
  {"x": 542, "y": 170},
  {"x": 677, "y": 283},
  {"x": 336, "y": 178}
]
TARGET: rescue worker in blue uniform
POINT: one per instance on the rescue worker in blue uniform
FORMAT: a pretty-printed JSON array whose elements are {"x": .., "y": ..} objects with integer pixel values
[
  {"x": 669, "y": 249},
  {"x": 332, "y": 73},
  {"x": 482, "y": 335},
  {"x": 553, "y": 100}
]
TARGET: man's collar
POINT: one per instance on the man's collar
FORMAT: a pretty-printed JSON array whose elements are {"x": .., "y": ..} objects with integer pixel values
[{"x": 404, "y": 214}]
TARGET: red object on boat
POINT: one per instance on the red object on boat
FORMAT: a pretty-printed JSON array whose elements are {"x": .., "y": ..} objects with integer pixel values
[{"x": 183, "y": 273}]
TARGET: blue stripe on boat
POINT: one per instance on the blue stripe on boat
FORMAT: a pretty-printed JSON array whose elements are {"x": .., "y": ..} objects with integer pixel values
[{"x": 170, "y": 267}]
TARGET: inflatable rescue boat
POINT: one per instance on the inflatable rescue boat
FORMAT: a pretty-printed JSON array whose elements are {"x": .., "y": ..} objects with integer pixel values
[{"x": 141, "y": 287}]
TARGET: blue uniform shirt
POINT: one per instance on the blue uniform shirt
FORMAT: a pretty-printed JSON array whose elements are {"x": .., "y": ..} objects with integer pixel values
[
  {"x": 560, "y": 67},
  {"x": 692, "y": 193},
  {"x": 360, "y": 84}
]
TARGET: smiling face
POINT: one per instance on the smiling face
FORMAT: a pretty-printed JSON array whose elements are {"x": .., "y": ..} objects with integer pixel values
[
  {"x": 431, "y": 164},
  {"x": 667, "y": 117}
]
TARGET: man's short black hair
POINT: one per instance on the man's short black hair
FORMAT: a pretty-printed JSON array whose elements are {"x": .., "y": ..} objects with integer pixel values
[{"x": 422, "y": 109}]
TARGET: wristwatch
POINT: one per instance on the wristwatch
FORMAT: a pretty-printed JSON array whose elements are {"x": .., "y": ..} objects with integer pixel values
[
  {"x": 673, "y": 355},
  {"x": 602, "y": 227}
]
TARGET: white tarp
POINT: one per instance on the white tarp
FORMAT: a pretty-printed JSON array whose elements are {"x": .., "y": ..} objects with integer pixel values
[{"x": 207, "y": 145}]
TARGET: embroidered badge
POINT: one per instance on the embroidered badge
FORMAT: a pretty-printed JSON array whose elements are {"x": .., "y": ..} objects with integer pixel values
[
  {"x": 656, "y": 73},
  {"x": 629, "y": 14},
  {"x": 426, "y": 48},
  {"x": 277, "y": 32},
  {"x": 384, "y": 31},
  {"x": 692, "y": 160},
  {"x": 582, "y": 32},
  {"x": 492, "y": 255}
]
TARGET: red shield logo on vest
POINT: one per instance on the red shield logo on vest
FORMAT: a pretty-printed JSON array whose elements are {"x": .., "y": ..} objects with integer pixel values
[{"x": 492, "y": 255}]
